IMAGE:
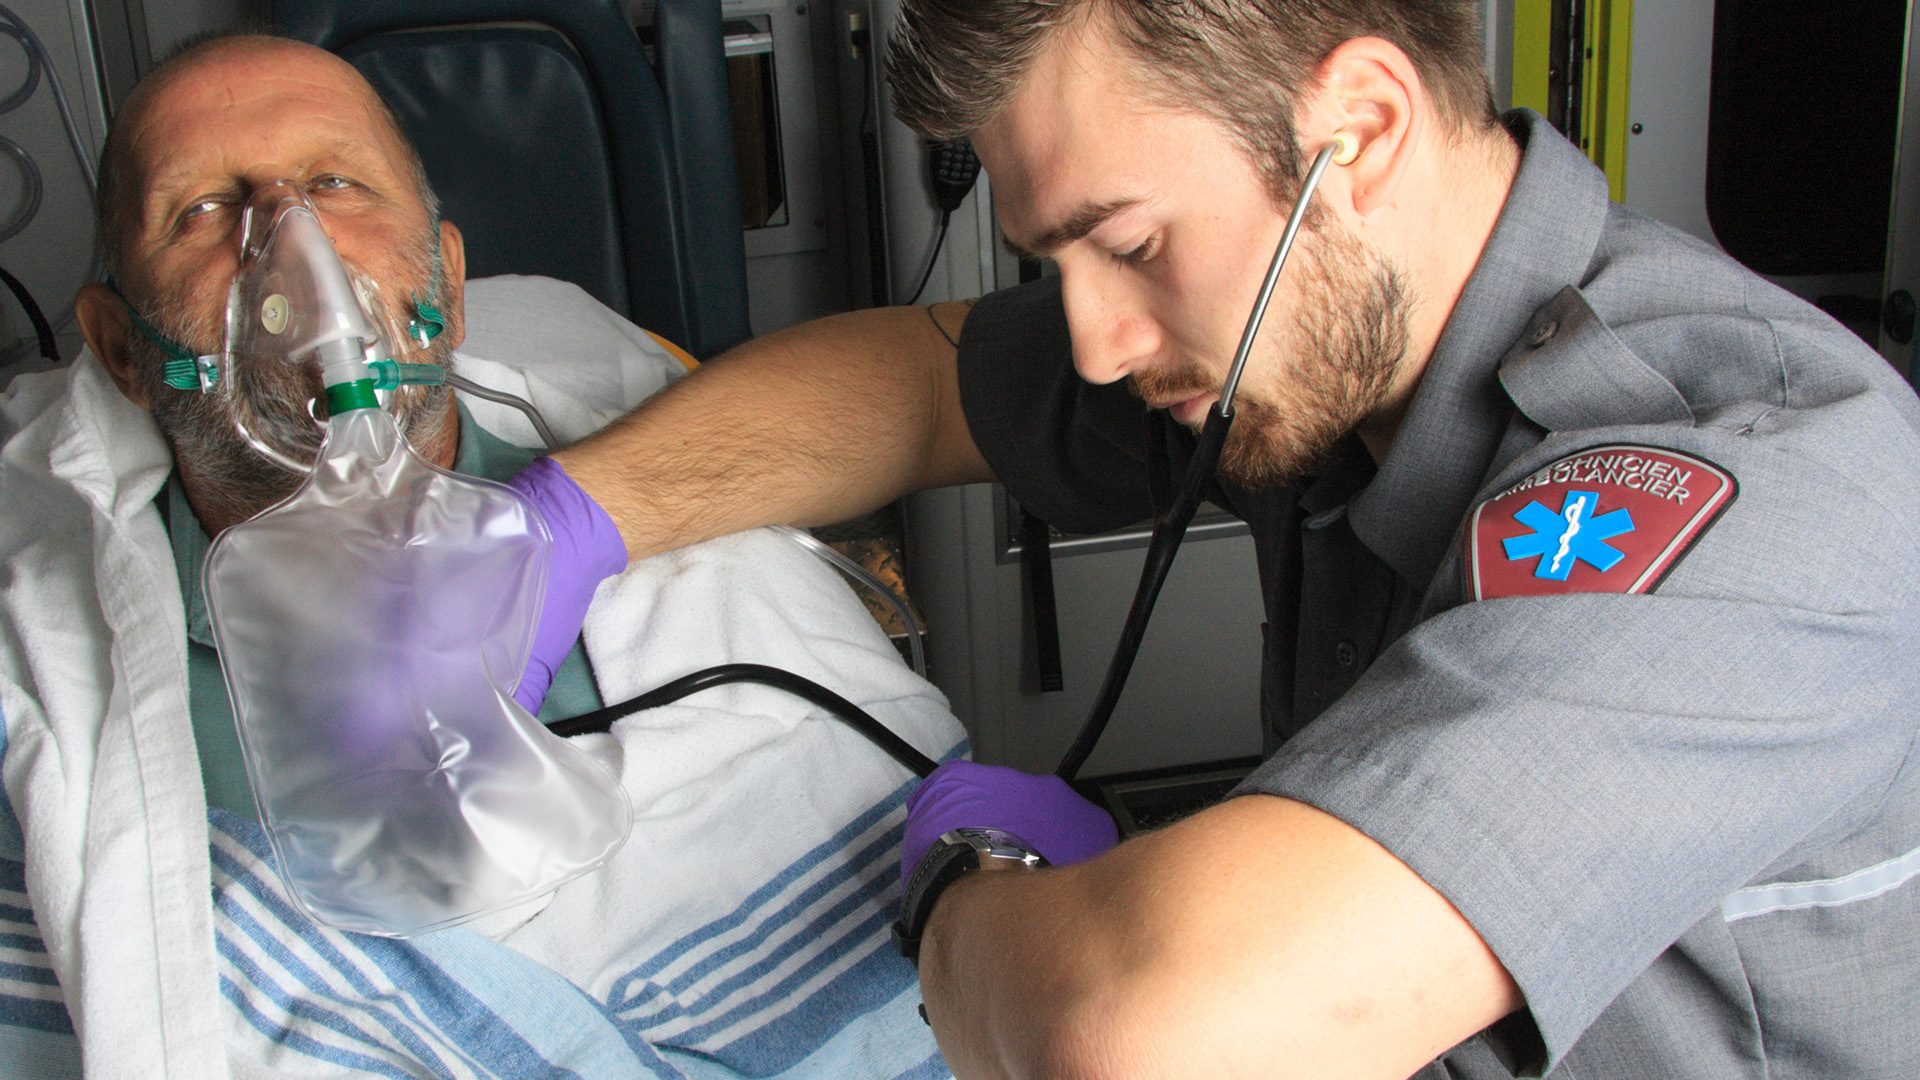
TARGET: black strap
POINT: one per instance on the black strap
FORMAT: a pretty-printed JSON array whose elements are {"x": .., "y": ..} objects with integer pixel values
[
  {"x": 1036, "y": 557},
  {"x": 49, "y": 348},
  {"x": 947, "y": 864}
]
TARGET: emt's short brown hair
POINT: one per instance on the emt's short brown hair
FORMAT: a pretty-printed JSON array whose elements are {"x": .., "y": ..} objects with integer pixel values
[{"x": 953, "y": 65}]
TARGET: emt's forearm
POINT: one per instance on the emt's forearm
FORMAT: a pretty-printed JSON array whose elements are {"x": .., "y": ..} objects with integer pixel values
[
  {"x": 1004, "y": 970},
  {"x": 1259, "y": 938},
  {"x": 814, "y": 424}
]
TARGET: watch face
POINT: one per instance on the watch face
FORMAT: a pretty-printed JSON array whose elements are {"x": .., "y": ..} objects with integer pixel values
[
  {"x": 977, "y": 839},
  {"x": 997, "y": 849}
]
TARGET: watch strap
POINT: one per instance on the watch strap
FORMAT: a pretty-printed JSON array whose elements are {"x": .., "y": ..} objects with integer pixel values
[{"x": 952, "y": 857}]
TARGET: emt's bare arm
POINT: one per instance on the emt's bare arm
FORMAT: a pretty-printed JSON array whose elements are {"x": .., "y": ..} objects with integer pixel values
[
  {"x": 1260, "y": 938},
  {"x": 814, "y": 424}
]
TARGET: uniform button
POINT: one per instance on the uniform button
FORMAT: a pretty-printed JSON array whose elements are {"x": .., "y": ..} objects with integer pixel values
[
  {"x": 1345, "y": 654},
  {"x": 1544, "y": 333}
]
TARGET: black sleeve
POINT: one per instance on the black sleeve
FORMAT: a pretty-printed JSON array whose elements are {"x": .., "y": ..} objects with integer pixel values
[{"x": 1073, "y": 453}]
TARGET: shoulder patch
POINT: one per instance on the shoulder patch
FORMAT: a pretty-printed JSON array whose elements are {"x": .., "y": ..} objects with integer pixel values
[{"x": 1610, "y": 519}]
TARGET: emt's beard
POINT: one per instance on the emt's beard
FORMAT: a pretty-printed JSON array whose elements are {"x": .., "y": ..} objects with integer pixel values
[
  {"x": 1351, "y": 334},
  {"x": 231, "y": 480}
]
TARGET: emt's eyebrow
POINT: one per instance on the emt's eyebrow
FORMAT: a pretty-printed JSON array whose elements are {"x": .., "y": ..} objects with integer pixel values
[{"x": 1084, "y": 220}]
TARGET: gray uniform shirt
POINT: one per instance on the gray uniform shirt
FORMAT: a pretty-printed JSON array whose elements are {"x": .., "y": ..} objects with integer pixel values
[{"x": 1685, "y": 820}]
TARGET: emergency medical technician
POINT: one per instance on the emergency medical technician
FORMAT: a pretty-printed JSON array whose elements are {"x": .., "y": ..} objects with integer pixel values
[{"x": 1590, "y": 566}]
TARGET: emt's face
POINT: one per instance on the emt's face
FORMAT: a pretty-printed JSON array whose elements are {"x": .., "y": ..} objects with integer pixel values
[{"x": 1162, "y": 232}]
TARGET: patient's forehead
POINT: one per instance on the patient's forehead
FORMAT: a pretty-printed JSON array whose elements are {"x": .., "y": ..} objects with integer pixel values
[{"x": 256, "y": 108}]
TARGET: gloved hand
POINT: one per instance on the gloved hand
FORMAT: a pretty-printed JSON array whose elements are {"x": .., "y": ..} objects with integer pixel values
[
  {"x": 587, "y": 549},
  {"x": 1042, "y": 810}
]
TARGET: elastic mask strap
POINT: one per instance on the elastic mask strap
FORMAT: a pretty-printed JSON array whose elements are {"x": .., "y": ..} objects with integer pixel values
[
  {"x": 427, "y": 321},
  {"x": 184, "y": 370}
]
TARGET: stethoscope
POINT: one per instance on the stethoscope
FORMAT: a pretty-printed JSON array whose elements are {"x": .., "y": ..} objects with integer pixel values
[
  {"x": 1167, "y": 534},
  {"x": 1172, "y": 528}
]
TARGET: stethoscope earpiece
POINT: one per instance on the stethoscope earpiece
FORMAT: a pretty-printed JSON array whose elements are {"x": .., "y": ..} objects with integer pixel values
[{"x": 1346, "y": 147}]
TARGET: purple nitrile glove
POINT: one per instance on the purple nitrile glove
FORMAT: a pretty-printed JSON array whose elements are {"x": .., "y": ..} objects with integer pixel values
[
  {"x": 587, "y": 550},
  {"x": 1042, "y": 810}
]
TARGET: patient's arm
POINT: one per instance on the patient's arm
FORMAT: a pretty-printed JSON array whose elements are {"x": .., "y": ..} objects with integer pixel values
[
  {"x": 814, "y": 424},
  {"x": 1261, "y": 937}
]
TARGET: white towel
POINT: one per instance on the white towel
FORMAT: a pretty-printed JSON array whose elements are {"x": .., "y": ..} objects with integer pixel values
[
  {"x": 100, "y": 763},
  {"x": 549, "y": 343},
  {"x": 742, "y": 794}
]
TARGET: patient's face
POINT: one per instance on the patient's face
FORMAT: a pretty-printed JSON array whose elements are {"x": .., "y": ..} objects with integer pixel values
[
  {"x": 247, "y": 116},
  {"x": 200, "y": 143}
]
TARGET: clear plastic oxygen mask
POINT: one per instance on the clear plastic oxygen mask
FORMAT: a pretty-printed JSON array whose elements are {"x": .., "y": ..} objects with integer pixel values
[{"x": 372, "y": 627}]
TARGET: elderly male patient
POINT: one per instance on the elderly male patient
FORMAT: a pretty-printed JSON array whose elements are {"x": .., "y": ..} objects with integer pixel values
[{"x": 149, "y": 933}]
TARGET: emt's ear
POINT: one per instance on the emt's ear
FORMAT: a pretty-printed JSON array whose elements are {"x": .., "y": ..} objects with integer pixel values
[
  {"x": 453, "y": 269},
  {"x": 1368, "y": 89},
  {"x": 108, "y": 328}
]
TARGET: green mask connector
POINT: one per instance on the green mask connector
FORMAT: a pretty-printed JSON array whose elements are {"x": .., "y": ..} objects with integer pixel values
[
  {"x": 189, "y": 372},
  {"x": 388, "y": 374},
  {"x": 348, "y": 396}
]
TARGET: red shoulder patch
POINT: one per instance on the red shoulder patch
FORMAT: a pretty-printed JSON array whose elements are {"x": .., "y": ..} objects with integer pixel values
[{"x": 1610, "y": 519}]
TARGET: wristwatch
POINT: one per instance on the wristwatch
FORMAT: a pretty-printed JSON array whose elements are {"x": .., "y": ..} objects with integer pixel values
[{"x": 954, "y": 854}]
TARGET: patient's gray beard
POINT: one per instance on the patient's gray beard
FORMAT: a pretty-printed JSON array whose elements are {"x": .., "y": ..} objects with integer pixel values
[{"x": 230, "y": 480}]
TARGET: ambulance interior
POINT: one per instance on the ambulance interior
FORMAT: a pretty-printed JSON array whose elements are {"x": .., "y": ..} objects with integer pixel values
[{"x": 1776, "y": 131}]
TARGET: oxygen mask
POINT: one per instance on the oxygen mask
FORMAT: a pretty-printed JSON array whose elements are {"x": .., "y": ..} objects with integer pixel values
[
  {"x": 372, "y": 627},
  {"x": 300, "y": 319}
]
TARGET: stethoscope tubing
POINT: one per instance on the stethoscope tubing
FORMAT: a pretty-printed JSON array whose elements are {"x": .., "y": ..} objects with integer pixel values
[
  {"x": 1280, "y": 253},
  {"x": 1172, "y": 528},
  {"x": 1167, "y": 534}
]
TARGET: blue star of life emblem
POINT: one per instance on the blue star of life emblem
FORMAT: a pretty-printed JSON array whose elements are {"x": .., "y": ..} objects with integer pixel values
[{"x": 1570, "y": 536}]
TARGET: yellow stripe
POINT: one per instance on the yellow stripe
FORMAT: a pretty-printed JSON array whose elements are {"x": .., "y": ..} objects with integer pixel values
[
  {"x": 1532, "y": 31},
  {"x": 686, "y": 358},
  {"x": 1608, "y": 75}
]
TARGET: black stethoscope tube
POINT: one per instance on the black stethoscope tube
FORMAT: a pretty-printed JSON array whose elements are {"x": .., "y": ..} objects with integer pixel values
[
  {"x": 898, "y": 748},
  {"x": 1167, "y": 534},
  {"x": 1172, "y": 528}
]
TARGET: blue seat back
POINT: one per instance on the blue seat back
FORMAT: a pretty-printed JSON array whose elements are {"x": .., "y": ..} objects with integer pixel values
[{"x": 559, "y": 150}]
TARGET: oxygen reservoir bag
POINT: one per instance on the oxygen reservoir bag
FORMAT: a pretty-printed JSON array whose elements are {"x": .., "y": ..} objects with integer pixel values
[{"x": 372, "y": 627}]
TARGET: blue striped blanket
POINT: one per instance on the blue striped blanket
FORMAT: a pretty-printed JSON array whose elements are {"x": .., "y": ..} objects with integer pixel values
[{"x": 798, "y": 980}]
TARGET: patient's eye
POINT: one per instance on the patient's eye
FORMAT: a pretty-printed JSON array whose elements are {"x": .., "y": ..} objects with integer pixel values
[
  {"x": 329, "y": 182},
  {"x": 209, "y": 210}
]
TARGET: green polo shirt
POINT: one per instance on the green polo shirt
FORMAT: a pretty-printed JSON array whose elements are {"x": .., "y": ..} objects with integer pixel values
[{"x": 221, "y": 767}]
